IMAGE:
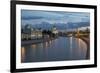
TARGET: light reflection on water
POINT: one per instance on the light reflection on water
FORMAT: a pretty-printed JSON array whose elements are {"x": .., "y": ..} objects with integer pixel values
[{"x": 62, "y": 48}]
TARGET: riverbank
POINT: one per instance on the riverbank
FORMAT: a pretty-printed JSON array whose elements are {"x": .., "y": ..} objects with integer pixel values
[{"x": 87, "y": 41}]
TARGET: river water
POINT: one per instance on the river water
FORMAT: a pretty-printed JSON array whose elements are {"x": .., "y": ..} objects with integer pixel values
[{"x": 60, "y": 49}]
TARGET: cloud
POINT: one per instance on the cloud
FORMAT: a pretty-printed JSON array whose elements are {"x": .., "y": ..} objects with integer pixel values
[
  {"x": 44, "y": 14},
  {"x": 40, "y": 21},
  {"x": 53, "y": 17},
  {"x": 30, "y": 17}
]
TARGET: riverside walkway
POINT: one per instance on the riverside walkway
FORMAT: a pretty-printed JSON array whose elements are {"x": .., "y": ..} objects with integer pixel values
[{"x": 87, "y": 41}]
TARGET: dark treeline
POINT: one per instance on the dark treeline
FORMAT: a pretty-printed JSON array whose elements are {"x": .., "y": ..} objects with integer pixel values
[{"x": 48, "y": 32}]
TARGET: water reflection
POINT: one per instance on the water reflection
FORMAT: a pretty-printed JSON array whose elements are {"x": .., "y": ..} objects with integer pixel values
[
  {"x": 62, "y": 48},
  {"x": 71, "y": 47},
  {"x": 22, "y": 54}
]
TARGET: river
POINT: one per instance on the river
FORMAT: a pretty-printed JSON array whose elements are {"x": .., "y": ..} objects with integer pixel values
[{"x": 60, "y": 49}]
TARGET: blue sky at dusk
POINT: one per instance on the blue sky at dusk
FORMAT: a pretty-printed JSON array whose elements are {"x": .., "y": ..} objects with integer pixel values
[{"x": 53, "y": 17}]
